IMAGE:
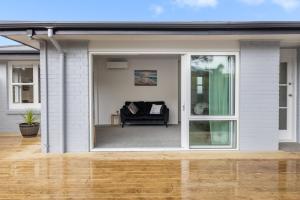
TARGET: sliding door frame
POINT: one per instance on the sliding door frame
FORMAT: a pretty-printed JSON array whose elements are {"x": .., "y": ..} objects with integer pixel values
[
  {"x": 92, "y": 133},
  {"x": 189, "y": 117}
]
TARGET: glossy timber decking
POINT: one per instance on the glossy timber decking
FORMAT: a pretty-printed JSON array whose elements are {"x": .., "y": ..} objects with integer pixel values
[{"x": 25, "y": 173}]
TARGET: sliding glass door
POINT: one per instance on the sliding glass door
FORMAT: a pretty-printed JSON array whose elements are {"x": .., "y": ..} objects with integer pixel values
[{"x": 212, "y": 113}]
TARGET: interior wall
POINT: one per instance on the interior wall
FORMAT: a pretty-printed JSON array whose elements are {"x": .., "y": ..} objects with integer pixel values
[{"x": 112, "y": 87}]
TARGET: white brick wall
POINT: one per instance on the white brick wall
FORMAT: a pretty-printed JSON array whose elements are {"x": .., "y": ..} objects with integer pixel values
[
  {"x": 298, "y": 96},
  {"x": 259, "y": 101},
  {"x": 8, "y": 122},
  {"x": 259, "y": 76},
  {"x": 76, "y": 97}
]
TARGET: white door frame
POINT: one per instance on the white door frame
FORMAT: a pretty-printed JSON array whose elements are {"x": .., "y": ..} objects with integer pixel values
[
  {"x": 91, "y": 102},
  {"x": 290, "y": 56},
  {"x": 184, "y": 102}
]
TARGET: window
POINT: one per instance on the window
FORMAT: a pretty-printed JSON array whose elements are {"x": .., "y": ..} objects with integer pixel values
[
  {"x": 212, "y": 118},
  {"x": 23, "y": 85}
]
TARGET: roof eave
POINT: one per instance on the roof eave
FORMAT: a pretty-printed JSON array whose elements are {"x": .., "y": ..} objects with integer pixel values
[{"x": 22, "y": 27}]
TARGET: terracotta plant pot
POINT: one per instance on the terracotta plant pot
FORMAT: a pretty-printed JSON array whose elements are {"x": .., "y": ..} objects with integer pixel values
[{"x": 29, "y": 130}]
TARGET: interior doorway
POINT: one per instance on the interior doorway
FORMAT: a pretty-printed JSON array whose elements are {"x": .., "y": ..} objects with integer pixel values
[{"x": 115, "y": 86}]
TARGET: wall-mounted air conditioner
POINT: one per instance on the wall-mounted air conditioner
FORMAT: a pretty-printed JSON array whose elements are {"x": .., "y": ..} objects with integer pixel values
[{"x": 116, "y": 64}]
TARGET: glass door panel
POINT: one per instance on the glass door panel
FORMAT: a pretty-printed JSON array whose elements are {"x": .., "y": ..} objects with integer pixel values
[
  {"x": 216, "y": 133},
  {"x": 283, "y": 96},
  {"x": 212, "y": 85},
  {"x": 212, "y": 112}
]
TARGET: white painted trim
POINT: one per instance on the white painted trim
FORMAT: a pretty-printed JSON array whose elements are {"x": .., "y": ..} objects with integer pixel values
[
  {"x": 91, "y": 97},
  {"x": 155, "y": 149},
  {"x": 237, "y": 98},
  {"x": 136, "y": 53},
  {"x": 183, "y": 92},
  {"x": 21, "y": 107},
  {"x": 295, "y": 97}
]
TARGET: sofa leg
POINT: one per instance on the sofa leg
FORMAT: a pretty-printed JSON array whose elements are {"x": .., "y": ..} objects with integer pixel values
[
  {"x": 166, "y": 125},
  {"x": 123, "y": 125}
]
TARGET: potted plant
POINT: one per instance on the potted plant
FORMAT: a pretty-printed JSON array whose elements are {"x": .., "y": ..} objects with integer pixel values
[{"x": 30, "y": 127}]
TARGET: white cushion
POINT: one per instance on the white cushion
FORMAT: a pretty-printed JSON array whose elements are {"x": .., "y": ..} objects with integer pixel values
[
  {"x": 132, "y": 108},
  {"x": 155, "y": 109}
]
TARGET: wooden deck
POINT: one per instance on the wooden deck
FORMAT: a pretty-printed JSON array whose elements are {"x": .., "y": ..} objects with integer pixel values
[{"x": 25, "y": 173}]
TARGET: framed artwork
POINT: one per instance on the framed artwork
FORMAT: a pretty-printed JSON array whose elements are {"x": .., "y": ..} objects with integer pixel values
[{"x": 145, "y": 77}]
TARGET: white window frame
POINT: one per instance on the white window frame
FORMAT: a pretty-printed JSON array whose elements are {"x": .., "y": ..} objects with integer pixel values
[
  {"x": 235, "y": 117},
  {"x": 24, "y": 106}
]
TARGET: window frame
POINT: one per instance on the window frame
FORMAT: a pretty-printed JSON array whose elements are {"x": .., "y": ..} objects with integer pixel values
[
  {"x": 234, "y": 117},
  {"x": 24, "y": 106}
]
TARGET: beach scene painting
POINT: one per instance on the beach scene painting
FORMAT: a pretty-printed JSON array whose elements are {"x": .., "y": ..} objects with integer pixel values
[{"x": 145, "y": 77}]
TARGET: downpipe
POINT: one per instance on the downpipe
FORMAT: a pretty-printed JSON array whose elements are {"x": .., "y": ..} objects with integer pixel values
[
  {"x": 31, "y": 36},
  {"x": 63, "y": 89}
]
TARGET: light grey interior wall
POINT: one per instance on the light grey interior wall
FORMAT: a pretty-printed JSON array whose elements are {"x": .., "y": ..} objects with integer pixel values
[
  {"x": 259, "y": 76},
  {"x": 76, "y": 94},
  {"x": 115, "y": 86}
]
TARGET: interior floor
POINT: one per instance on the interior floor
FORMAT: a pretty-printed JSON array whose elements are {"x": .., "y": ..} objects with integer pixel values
[
  {"x": 138, "y": 136},
  {"x": 289, "y": 146}
]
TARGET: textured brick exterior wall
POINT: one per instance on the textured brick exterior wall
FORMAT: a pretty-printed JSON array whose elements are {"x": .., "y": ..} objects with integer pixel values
[
  {"x": 76, "y": 97},
  {"x": 259, "y": 101}
]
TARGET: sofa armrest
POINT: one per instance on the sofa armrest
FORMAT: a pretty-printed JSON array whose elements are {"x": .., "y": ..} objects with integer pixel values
[
  {"x": 123, "y": 113},
  {"x": 165, "y": 113}
]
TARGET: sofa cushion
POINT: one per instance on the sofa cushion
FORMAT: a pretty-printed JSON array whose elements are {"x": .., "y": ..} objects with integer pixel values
[
  {"x": 126, "y": 111},
  {"x": 157, "y": 102},
  {"x": 148, "y": 105},
  {"x": 154, "y": 117},
  {"x": 133, "y": 108},
  {"x": 155, "y": 109},
  {"x": 135, "y": 117},
  {"x": 145, "y": 107}
]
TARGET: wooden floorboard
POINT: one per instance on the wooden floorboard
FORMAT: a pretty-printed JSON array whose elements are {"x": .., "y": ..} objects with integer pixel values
[{"x": 26, "y": 173}]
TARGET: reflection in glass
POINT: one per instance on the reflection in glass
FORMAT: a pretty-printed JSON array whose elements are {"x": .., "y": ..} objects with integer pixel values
[
  {"x": 282, "y": 119},
  {"x": 22, "y": 94},
  {"x": 283, "y": 73},
  {"x": 216, "y": 133},
  {"x": 282, "y": 96},
  {"x": 212, "y": 85},
  {"x": 22, "y": 75}
]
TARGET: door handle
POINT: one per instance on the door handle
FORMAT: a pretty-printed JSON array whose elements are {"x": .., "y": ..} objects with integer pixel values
[
  {"x": 290, "y": 95},
  {"x": 183, "y": 107}
]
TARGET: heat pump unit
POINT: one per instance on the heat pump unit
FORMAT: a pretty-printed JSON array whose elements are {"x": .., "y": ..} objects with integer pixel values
[{"x": 117, "y": 65}]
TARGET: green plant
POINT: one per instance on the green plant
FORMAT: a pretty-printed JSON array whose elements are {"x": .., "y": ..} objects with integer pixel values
[{"x": 29, "y": 118}]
